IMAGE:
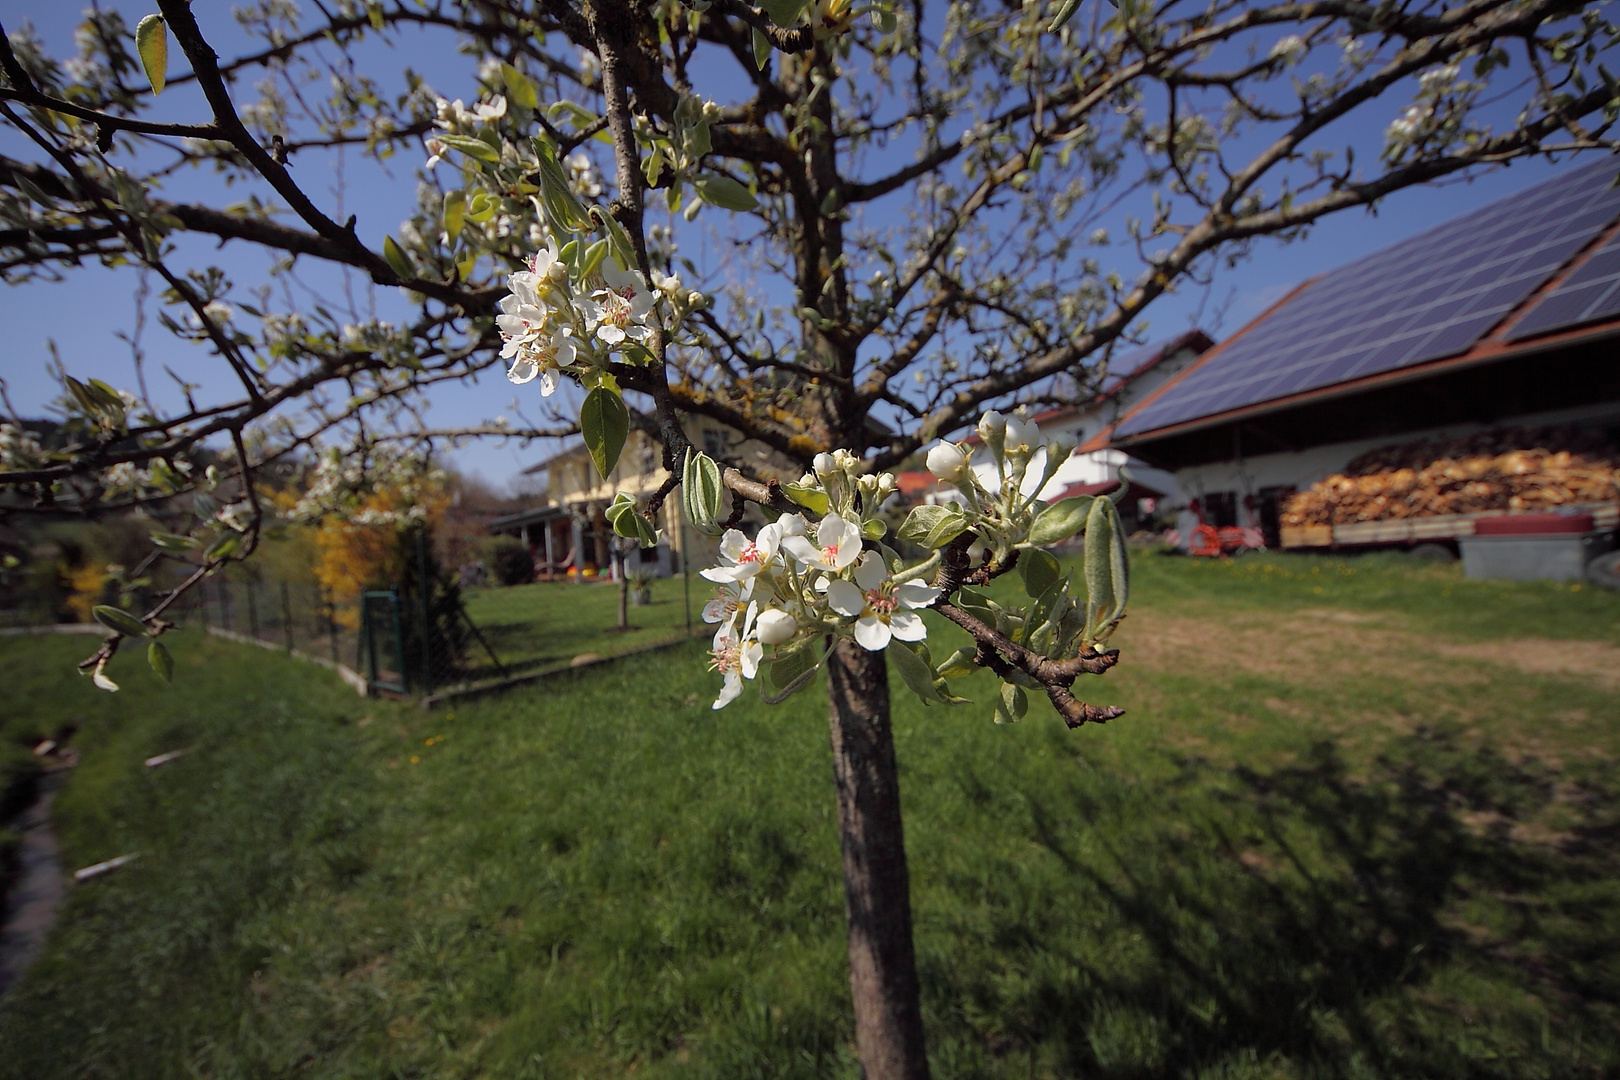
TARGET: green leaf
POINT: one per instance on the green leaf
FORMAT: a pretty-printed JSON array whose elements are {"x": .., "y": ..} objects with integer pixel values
[
  {"x": 917, "y": 672},
  {"x": 221, "y": 549},
  {"x": 519, "y": 87},
  {"x": 702, "y": 493},
  {"x": 808, "y": 496},
  {"x": 397, "y": 260},
  {"x": 590, "y": 260},
  {"x": 958, "y": 664},
  {"x": 455, "y": 213},
  {"x": 1039, "y": 569},
  {"x": 161, "y": 661},
  {"x": 874, "y": 529},
  {"x": 1107, "y": 571},
  {"x": 933, "y": 526},
  {"x": 119, "y": 620},
  {"x": 1060, "y": 521},
  {"x": 474, "y": 148},
  {"x": 1064, "y": 14},
  {"x": 152, "y": 43},
  {"x": 605, "y": 423},
  {"x": 762, "y": 50},
  {"x": 482, "y": 207},
  {"x": 792, "y": 664},
  {"x": 724, "y": 192},
  {"x": 626, "y": 519},
  {"x": 783, "y": 13},
  {"x": 374, "y": 14},
  {"x": 562, "y": 206},
  {"x": 883, "y": 18},
  {"x": 1011, "y": 704},
  {"x": 175, "y": 542}
]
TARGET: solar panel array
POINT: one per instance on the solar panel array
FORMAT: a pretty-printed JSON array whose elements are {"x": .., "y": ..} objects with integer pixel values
[
  {"x": 1591, "y": 292},
  {"x": 1431, "y": 296}
]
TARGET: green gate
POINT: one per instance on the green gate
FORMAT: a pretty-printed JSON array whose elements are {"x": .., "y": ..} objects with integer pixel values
[{"x": 382, "y": 642}]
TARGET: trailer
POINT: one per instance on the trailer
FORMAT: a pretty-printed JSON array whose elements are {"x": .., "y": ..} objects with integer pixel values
[{"x": 1410, "y": 532}]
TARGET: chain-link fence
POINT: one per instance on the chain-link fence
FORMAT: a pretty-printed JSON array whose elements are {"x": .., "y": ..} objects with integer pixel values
[{"x": 424, "y": 634}]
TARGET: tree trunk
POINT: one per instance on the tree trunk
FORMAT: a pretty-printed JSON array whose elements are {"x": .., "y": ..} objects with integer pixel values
[
  {"x": 877, "y": 892},
  {"x": 624, "y": 586}
]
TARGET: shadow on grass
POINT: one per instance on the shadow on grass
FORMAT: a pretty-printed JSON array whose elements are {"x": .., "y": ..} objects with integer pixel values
[{"x": 1422, "y": 920}]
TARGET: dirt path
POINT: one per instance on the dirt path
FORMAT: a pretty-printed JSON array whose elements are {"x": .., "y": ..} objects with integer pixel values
[
  {"x": 31, "y": 902},
  {"x": 1336, "y": 643}
]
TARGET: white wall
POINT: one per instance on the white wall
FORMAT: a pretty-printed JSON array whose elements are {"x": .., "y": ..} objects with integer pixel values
[{"x": 1301, "y": 469}]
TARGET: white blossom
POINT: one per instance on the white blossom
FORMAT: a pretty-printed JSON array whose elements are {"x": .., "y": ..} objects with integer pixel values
[
  {"x": 882, "y": 610},
  {"x": 838, "y": 544}
]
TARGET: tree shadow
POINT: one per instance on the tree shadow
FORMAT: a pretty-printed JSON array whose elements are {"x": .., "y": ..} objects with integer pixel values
[{"x": 1416, "y": 920}]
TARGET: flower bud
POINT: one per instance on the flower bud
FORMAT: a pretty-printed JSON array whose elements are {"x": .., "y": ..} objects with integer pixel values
[
  {"x": 1060, "y": 446},
  {"x": 993, "y": 430},
  {"x": 948, "y": 461},
  {"x": 775, "y": 627},
  {"x": 1022, "y": 436},
  {"x": 823, "y": 465}
]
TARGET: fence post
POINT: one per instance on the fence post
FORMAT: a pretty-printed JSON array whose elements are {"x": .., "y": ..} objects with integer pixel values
[
  {"x": 686, "y": 577},
  {"x": 253, "y": 610},
  {"x": 330, "y": 609},
  {"x": 286, "y": 615},
  {"x": 224, "y": 604}
]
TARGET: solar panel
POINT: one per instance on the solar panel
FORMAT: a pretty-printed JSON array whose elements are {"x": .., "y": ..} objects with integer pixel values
[
  {"x": 1429, "y": 296},
  {"x": 1591, "y": 292}
]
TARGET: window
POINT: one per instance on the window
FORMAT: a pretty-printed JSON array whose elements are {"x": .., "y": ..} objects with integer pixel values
[
  {"x": 714, "y": 443},
  {"x": 1220, "y": 509}
]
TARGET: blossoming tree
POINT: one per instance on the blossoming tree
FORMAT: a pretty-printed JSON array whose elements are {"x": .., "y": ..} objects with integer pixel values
[{"x": 927, "y": 212}]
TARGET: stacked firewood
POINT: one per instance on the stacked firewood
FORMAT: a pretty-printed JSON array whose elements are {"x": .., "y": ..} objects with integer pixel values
[{"x": 1513, "y": 469}]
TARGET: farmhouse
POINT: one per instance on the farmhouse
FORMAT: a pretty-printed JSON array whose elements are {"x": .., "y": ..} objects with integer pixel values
[
  {"x": 568, "y": 532},
  {"x": 1130, "y": 375},
  {"x": 1508, "y": 317}
]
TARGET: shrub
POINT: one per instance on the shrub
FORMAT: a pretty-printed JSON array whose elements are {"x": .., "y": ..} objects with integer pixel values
[{"x": 508, "y": 561}]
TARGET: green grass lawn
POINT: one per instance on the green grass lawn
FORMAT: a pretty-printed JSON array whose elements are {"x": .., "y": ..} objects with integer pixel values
[
  {"x": 549, "y": 623},
  {"x": 1362, "y": 819}
]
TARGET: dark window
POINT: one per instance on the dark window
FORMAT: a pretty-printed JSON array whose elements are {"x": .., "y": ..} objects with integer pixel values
[
  {"x": 1220, "y": 509},
  {"x": 714, "y": 443}
]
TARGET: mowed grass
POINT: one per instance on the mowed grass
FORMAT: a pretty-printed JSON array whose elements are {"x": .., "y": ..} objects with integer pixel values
[
  {"x": 547, "y": 623},
  {"x": 1367, "y": 831}
]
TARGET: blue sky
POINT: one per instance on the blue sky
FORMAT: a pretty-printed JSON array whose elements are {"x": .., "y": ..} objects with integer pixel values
[{"x": 83, "y": 313}]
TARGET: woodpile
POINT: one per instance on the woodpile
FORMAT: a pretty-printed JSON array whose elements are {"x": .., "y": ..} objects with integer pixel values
[{"x": 1514, "y": 469}]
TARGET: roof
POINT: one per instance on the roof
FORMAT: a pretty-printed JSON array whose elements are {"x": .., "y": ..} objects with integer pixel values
[
  {"x": 1123, "y": 369},
  {"x": 532, "y": 516},
  {"x": 1539, "y": 267}
]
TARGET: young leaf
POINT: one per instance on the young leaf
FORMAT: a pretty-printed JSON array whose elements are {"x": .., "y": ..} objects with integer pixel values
[
  {"x": 1099, "y": 575},
  {"x": 724, "y": 192},
  {"x": 623, "y": 515},
  {"x": 605, "y": 423},
  {"x": 783, "y": 13},
  {"x": 175, "y": 542},
  {"x": 519, "y": 87},
  {"x": 1011, "y": 704},
  {"x": 702, "y": 493},
  {"x": 762, "y": 50},
  {"x": 397, "y": 260},
  {"x": 476, "y": 148},
  {"x": 811, "y": 498},
  {"x": 1039, "y": 569},
  {"x": 152, "y": 42},
  {"x": 161, "y": 661},
  {"x": 455, "y": 213},
  {"x": 119, "y": 620},
  {"x": 917, "y": 672},
  {"x": 933, "y": 526},
  {"x": 792, "y": 664},
  {"x": 1060, "y": 521}
]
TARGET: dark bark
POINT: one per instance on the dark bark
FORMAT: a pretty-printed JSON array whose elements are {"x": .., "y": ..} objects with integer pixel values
[{"x": 877, "y": 891}]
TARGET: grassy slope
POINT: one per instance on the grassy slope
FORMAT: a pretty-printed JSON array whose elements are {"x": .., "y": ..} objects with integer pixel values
[
  {"x": 546, "y": 623},
  {"x": 1330, "y": 865}
]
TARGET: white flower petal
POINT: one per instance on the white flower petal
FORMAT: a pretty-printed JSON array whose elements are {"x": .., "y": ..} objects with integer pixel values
[
  {"x": 729, "y": 692},
  {"x": 869, "y": 572},
  {"x": 844, "y": 598},
  {"x": 872, "y": 633},
  {"x": 908, "y": 626},
  {"x": 914, "y": 594}
]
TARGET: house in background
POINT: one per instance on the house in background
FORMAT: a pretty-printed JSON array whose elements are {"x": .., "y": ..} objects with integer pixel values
[
  {"x": 1507, "y": 317},
  {"x": 1131, "y": 375},
  {"x": 568, "y": 532}
]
